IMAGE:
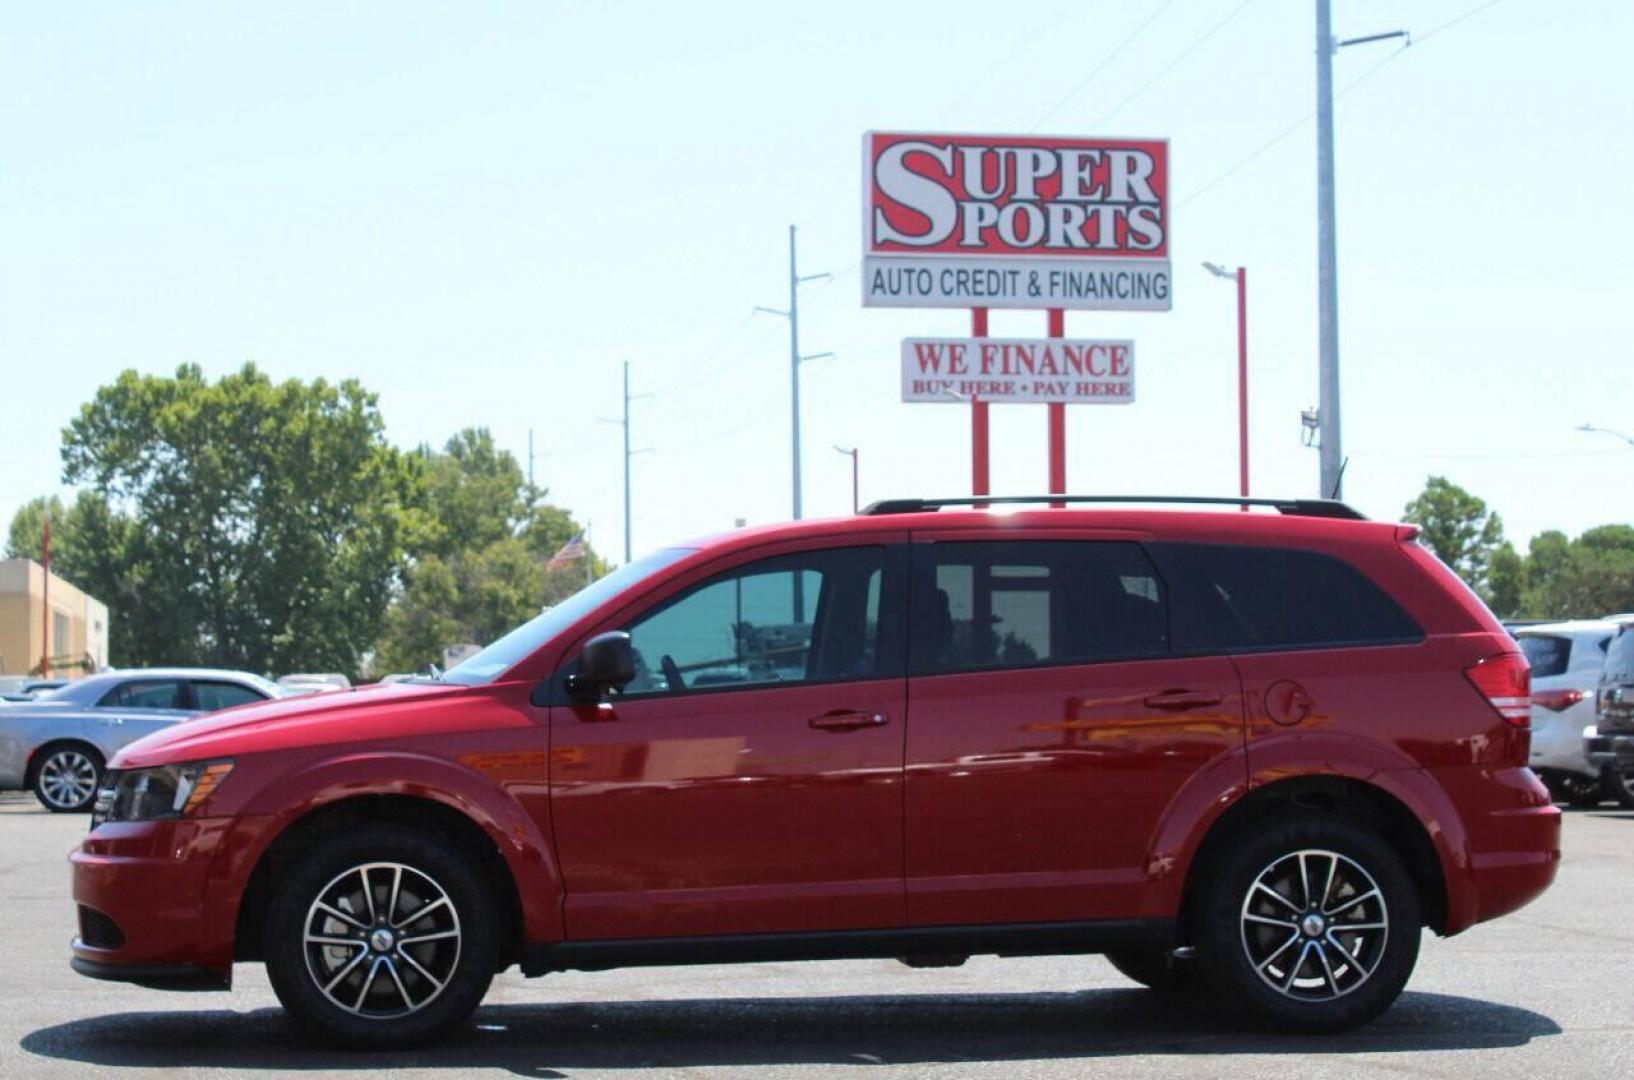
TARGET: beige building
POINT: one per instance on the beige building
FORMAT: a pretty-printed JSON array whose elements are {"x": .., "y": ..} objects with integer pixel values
[{"x": 78, "y": 624}]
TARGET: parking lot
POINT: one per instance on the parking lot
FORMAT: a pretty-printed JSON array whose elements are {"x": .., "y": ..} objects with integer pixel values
[{"x": 1545, "y": 992}]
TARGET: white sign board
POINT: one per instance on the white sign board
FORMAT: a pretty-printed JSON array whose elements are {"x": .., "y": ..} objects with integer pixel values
[
  {"x": 1022, "y": 221},
  {"x": 1072, "y": 371}
]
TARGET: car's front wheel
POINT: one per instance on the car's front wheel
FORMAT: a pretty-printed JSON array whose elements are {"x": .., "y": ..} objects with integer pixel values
[
  {"x": 66, "y": 777},
  {"x": 1620, "y": 786},
  {"x": 384, "y": 938},
  {"x": 1311, "y": 925}
]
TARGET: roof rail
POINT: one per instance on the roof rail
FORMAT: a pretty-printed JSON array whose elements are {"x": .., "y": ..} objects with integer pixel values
[{"x": 1322, "y": 508}]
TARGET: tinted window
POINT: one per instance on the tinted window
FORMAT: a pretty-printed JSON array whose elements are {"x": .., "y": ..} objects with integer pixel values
[
  {"x": 1620, "y": 657},
  {"x": 1024, "y": 602},
  {"x": 1226, "y": 597},
  {"x": 812, "y": 617},
  {"x": 220, "y": 695},
  {"x": 146, "y": 694},
  {"x": 1547, "y": 655}
]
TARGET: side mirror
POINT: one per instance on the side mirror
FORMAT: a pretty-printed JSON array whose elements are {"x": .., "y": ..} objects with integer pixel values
[{"x": 607, "y": 660}]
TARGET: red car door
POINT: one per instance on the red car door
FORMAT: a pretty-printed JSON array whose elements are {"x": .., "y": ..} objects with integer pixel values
[
  {"x": 750, "y": 779},
  {"x": 1050, "y": 727}
]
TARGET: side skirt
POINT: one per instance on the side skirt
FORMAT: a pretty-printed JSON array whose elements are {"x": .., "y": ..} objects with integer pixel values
[{"x": 1017, "y": 939}]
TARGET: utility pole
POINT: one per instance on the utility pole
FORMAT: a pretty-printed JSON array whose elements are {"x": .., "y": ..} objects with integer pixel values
[
  {"x": 1327, "y": 270},
  {"x": 45, "y": 597},
  {"x": 624, "y": 422},
  {"x": 1327, "y": 253},
  {"x": 795, "y": 359},
  {"x": 851, "y": 452}
]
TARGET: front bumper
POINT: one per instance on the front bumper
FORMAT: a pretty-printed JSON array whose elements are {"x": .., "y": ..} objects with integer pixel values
[{"x": 146, "y": 915}]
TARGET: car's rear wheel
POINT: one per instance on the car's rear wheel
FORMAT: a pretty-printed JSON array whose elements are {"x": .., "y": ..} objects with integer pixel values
[
  {"x": 1311, "y": 925},
  {"x": 1575, "y": 789},
  {"x": 1620, "y": 786},
  {"x": 66, "y": 776},
  {"x": 385, "y": 938}
]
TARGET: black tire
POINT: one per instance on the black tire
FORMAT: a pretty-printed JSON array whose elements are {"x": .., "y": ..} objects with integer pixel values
[
  {"x": 1233, "y": 919},
  {"x": 1619, "y": 787},
  {"x": 453, "y": 972},
  {"x": 65, "y": 777},
  {"x": 1159, "y": 970}
]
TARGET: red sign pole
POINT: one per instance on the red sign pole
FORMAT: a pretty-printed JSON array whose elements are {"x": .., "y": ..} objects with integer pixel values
[
  {"x": 1058, "y": 421},
  {"x": 1242, "y": 382},
  {"x": 978, "y": 418}
]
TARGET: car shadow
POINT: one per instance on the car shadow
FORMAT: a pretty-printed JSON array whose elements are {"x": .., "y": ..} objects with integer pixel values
[{"x": 539, "y": 1040}]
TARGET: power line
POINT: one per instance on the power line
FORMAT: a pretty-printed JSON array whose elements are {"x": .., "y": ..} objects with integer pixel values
[
  {"x": 1176, "y": 62},
  {"x": 1348, "y": 87},
  {"x": 1102, "y": 66}
]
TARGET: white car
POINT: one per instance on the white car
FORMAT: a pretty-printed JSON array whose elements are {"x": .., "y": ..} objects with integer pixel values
[{"x": 1566, "y": 658}]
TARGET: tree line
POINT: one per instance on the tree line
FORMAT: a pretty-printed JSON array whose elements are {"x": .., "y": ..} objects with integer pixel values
[
  {"x": 270, "y": 526},
  {"x": 1557, "y": 577}
]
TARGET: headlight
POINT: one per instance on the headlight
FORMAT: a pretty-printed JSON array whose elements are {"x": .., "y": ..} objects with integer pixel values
[{"x": 150, "y": 794}]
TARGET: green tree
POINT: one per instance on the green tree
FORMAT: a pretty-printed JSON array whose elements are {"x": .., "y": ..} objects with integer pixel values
[
  {"x": 1592, "y": 575},
  {"x": 1459, "y": 528},
  {"x": 92, "y": 548},
  {"x": 266, "y": 521},
  {"x": 479, "y": 556},
  {"x": 1506, "y": 581}
]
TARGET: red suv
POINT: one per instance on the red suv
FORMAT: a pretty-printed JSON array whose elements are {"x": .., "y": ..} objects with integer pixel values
[{"x": 1261, "y": 750}]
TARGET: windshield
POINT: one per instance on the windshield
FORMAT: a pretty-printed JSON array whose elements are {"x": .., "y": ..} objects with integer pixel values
[{"x": 490, "y": 663}]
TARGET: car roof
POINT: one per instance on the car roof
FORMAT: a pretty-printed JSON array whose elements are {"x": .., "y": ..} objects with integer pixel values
[
  {"x": 1570, "y": 626},
  {"x": 1217, "y": 524}
]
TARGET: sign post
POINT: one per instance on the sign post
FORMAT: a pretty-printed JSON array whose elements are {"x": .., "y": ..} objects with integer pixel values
[{"x": 1024, "y": 221}]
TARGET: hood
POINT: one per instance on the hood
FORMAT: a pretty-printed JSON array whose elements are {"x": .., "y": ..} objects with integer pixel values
[{"x": 282, "y": 723}]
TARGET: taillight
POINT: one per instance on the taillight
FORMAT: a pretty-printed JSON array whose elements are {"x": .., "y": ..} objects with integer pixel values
[
  {"x": 1505, "y": 681},
  {"x": 1558, "y": 700}
]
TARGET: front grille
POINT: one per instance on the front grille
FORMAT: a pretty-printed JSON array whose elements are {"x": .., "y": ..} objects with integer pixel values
[{"x": 98, "y": 931}]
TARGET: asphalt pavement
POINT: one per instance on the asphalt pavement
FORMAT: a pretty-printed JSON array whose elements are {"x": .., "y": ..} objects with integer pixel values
[{"x": 1547, "y": 992}]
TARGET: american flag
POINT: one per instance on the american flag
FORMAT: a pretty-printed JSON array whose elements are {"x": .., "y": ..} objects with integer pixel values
[{"x": 571, "y": 551}]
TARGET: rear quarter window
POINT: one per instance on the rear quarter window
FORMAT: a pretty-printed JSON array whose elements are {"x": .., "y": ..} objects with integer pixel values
[
  {"x": 1232, "y": 598},
  {"x": 1548, "y": 655}
]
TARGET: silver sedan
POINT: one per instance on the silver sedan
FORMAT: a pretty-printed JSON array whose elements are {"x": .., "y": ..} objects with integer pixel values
[{"x": 58, "y": 744}]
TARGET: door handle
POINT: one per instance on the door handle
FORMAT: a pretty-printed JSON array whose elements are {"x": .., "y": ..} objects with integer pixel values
[
  {"x": 848, "y": 720},
  {"x": 1180, "y": 700}
]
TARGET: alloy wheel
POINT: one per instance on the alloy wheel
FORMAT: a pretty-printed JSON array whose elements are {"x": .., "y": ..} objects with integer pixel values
[
  {"x": 1314, "y": 925},
  {"x": 67, "y": 779},
  {"x": 382, "y": 940}
]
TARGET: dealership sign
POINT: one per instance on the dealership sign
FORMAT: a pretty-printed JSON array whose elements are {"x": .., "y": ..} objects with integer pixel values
[
  {"x": 1063, "y": 370},
  {"x": 1015, "y": 222}
]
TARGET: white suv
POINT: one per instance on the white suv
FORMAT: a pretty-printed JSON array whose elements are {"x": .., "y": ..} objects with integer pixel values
[{"x": 1566, "y": 658}]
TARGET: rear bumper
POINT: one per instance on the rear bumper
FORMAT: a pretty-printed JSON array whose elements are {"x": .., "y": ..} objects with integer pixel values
[
  {"x": 1614, "y": 750},
  {"x": 1512, "y": 833}
]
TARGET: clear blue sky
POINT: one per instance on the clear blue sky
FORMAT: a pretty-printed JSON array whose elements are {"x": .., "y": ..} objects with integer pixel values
[{"x": 480, "y": 209}]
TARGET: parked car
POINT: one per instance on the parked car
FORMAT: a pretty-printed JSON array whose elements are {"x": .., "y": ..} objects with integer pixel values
[
  {"x": 56, "y": 744},
  {"x": 314, "y": 683},
  {"x": 1566, "y": 659},
  {"x": 1610, "y": 742},
  {"x": 26, "y": 687},
  {"x": 1259, "y": 750}
]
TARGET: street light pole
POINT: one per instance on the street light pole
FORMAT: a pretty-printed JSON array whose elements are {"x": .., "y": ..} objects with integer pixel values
[
  {"x": 1327, "y": 270},
  {"x": 1240, "y": 276},
  {"x": 851, "y": 452}
]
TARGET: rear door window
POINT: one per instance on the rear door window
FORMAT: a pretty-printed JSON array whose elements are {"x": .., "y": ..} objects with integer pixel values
[
  {"x": 1020, "y": 603},
  {"x": 211, "y": 696},
  {"x": 1547, "y": 654},
  {"x": 1230, "y": 598},
  {"x": 147, "y": 694}
]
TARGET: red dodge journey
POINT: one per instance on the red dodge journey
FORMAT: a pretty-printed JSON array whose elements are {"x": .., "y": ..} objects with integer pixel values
[{"x": 1255, "y": 751}]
